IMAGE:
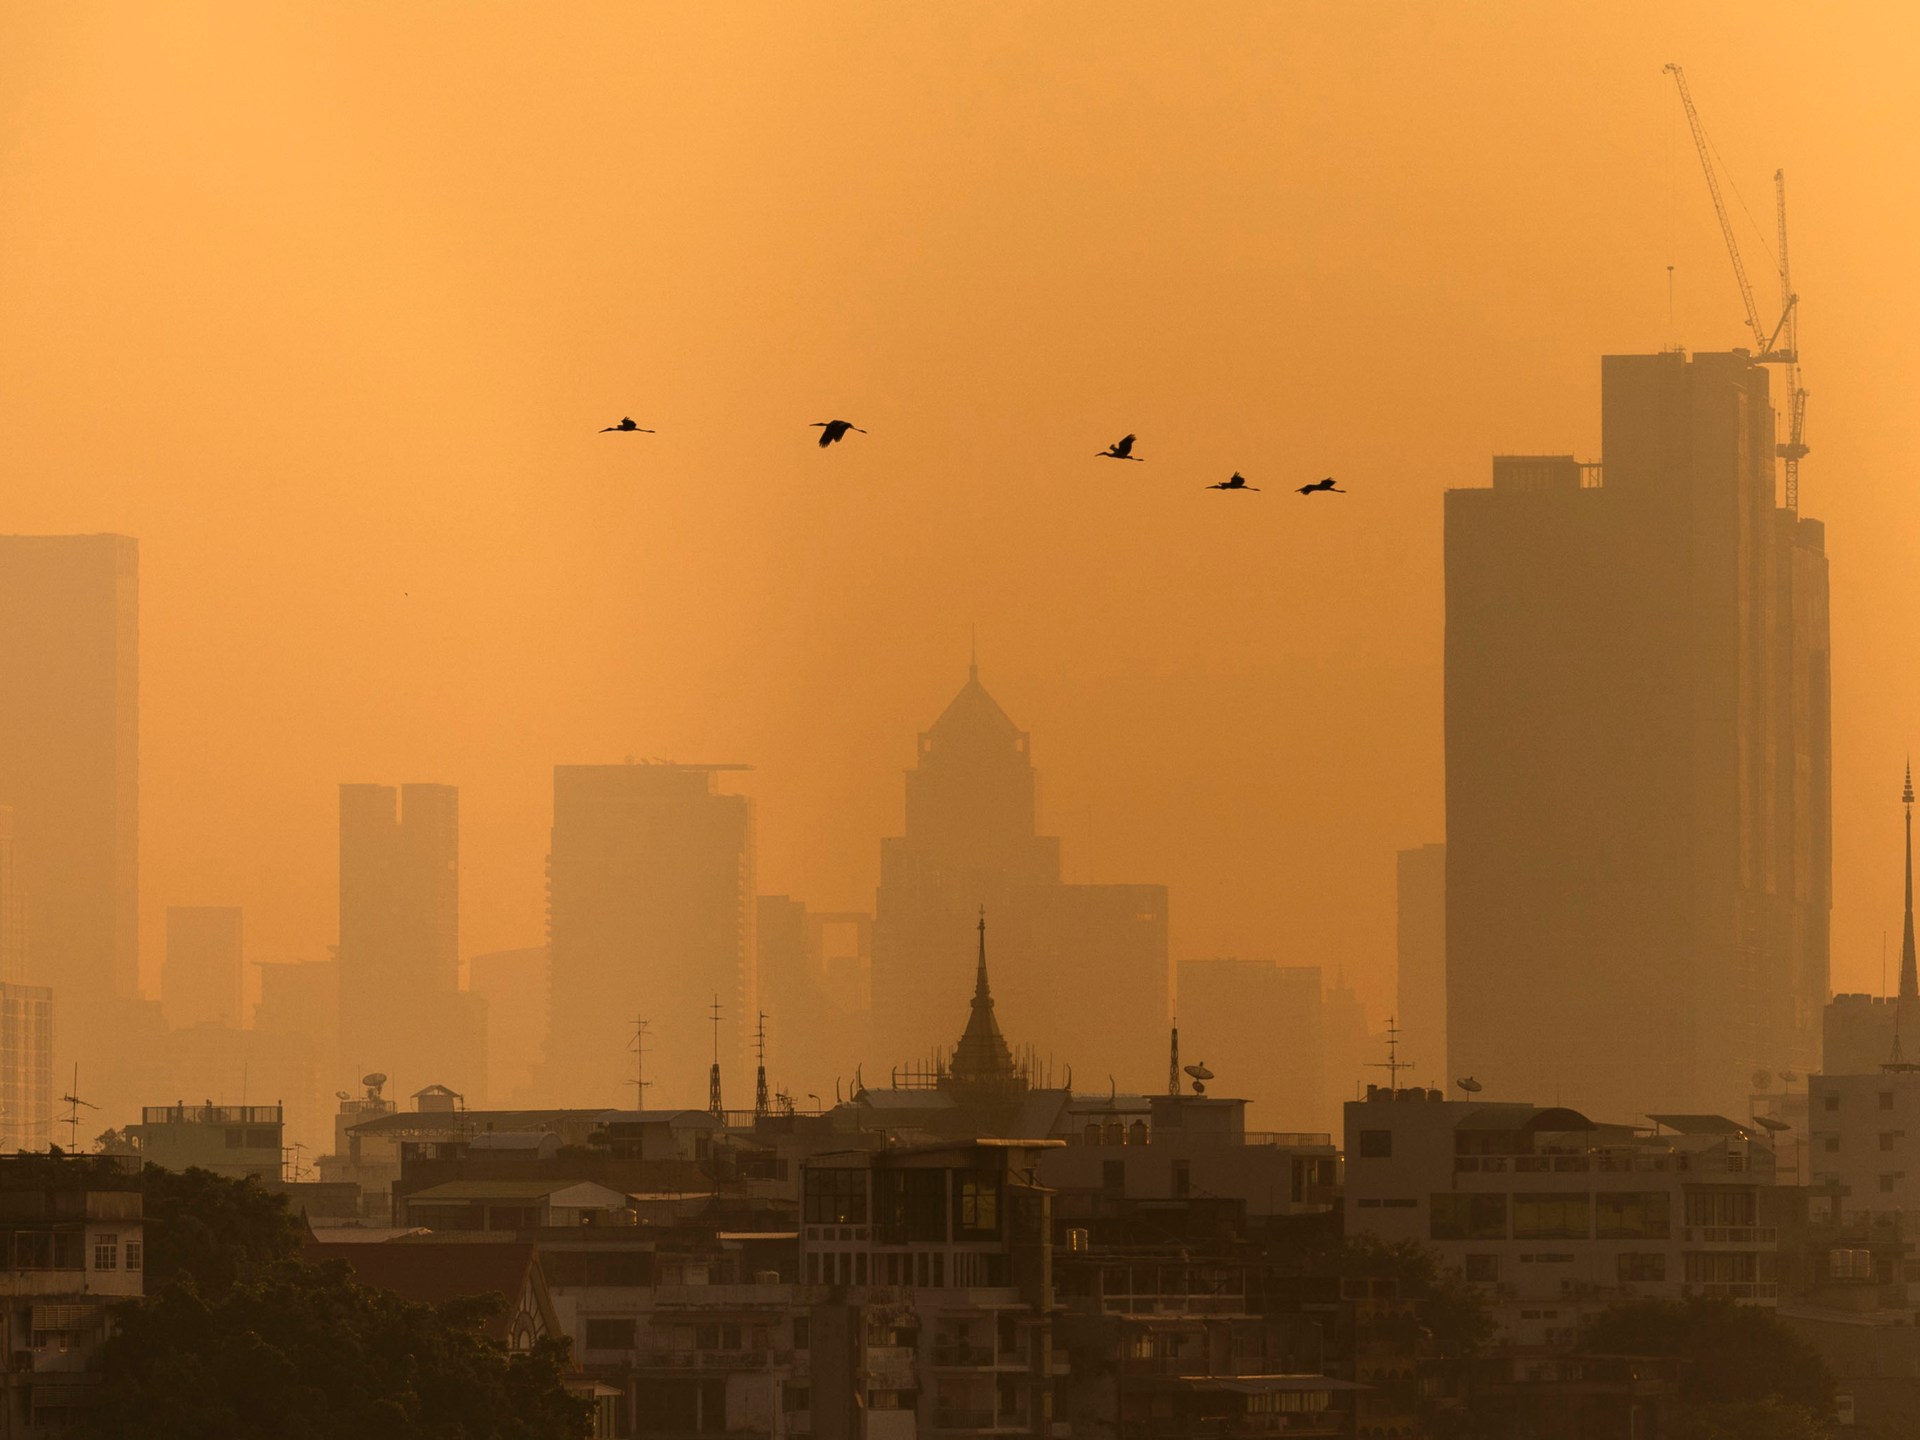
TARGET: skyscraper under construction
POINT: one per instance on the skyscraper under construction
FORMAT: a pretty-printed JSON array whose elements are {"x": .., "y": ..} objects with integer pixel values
[{"x": 1638, "y": 750}]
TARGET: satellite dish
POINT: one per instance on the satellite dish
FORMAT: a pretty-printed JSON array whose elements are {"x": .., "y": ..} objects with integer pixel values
[
  {"x": 1470, "y": 1085},
  {"x": 1773, "y": 1123},
  {"x": 1199, "y": 1072},
  {"x": 1788, "y": 1077},
  {"x": 342, "y": 1095},
  {"x": 1762, "y": 1079},
  {"x": 376, "y": 1079}
]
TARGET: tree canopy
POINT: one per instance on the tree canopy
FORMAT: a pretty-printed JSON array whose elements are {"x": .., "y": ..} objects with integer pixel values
[{"x": 238, "y": 1338}]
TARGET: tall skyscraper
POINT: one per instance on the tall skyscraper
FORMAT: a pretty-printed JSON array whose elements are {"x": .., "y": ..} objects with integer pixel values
[
  {"x": 650, "y": 914},
  {"x": 1420, "y": 949},
  {"x": 70, "y": 771},
  {"x": 513, "y": 983},
  {"x": 401, "y": 1007},
  {"x": 202, "y": 978},
  {"x": 1084, "y": 972},
  {"x": 1637, "y": 750}
]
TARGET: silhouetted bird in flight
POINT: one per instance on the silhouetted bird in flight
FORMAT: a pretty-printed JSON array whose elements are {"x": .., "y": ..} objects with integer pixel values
[
  {"x": 1318, "y": 485},
  {"x": 1121, "y": 449},
  {"x": 626, "y": 426},
  {"x": 832, "y": 430},
  {"x": 1238, "y": 482}
]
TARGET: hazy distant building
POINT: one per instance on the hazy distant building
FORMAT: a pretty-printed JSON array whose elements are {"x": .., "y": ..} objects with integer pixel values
[
  {"x": 297, "y": 1019},
  {"x": 201, "y": 981},
  {"x": 70, "y": 771},
  {"x": 1637, "y": 755},
  {"x": 401, "y": 1007},
  {"x": 1258, "y": 1027},
  {"x": 1085, "y": 973},
  {"x": 26, "y": 1066},
  {"x": 513, "y": 983},
  {"x": 1420, "y": 950},
  {"x": 650, "y": 915},
  {"x": 815, "y": 971}
]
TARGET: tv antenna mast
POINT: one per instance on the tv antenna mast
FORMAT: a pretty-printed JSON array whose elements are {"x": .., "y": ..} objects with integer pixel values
[
  {"x": 73, "y": 1102},
  {"x": 1393, "y": 1064},
  {"x": 639, "y": 1047},
  {"x": 714, "y": 1106},
  {"x": 760, "y": 1106}
]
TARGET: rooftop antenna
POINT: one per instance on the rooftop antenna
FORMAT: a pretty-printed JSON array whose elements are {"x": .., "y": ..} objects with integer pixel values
[
  {"x": 760, "y": 1106},
  {"x": 714, "y": 1107},
  {"x": 1393, "y": 1064},
  {"x": 73, "y": 1102},
  {"x": 1173, "y": 1060},
  {"x": 639, "y": 1047}
]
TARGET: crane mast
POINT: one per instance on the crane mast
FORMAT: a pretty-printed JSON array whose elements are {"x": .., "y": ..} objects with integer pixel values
[{"x": 1796, "y": 443}]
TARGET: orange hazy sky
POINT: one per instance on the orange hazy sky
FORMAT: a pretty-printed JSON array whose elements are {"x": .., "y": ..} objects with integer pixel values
[{"x": 326, "y": 303}]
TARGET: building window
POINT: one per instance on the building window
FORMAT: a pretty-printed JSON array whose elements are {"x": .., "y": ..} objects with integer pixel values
[
  {"x": 1886, "y": 1100},
  {"x": 1376, "y": 1144},
  {"x": 133, "y": 1255},
  {"x": 1886, "y": 1139},
  {"x": 800, "y": 1335},
  {"x": 1642, "y": 1269},
  {"x": 1831, "y": 1144},
  {"x": 1722, "y": 1207},
  {"x": 1633, "y": 1215},
  {"x": 1886, "y": 1184},
  {"x": 1467, "y": 1217},
  {"x": 1113, "y": 1176},
  {"x": 1832, "y": 1101},
  {"x": 1552, "y": 1215},
  {"x": 836, "y": 1197},
  {"x": 609, "y": 1333},
  {"x": 1182, "y": 1177},
  {"x": 1483, "y": 1269},
  {"x": 976, "y": 1206},
  {"x": 106, "y": 1252}
]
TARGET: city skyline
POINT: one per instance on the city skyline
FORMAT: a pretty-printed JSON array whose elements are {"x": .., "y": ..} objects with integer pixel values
[{"x": 483, "y": 556}]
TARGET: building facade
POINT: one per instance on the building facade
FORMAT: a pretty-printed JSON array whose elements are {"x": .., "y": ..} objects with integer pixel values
[
  {"x": 1087, "y": 970},
  {"x": 650, "y": 916},
  {"x": 201, "y": 981},
  {"x": 1637, "y": 754},
  {"x": 1420, "y": 956},
  {"x": 70, "y": 772}
]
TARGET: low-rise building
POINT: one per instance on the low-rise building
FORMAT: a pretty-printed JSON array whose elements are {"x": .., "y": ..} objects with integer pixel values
[
  {"x": 73, "y": 1243},
  {"x": 236, "y": 1141},
  {"x": 1559, "y": 1217}
]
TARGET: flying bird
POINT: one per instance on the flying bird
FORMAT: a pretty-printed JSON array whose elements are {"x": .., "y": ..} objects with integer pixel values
[
  {"x": 1238, "y": 482},
  {"x": 1318, "y": 485},
  {"x": 627, "y": 426},
  {"x": 1121, "y": 449},
  {"x": 832, "y": 430}
]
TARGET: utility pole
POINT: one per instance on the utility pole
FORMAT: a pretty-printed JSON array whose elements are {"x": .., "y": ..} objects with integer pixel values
[{"x": 639, "y": 1047}]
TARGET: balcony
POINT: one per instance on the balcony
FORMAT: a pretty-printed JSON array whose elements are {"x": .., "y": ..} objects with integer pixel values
[
  {"x": 778, "y": 1297},
  {"x": 727, "y": 1361},
  {"x": 1730, "y": 1235},
  {"x": 1738, "y": 1289},
  {"x": 962, "y": 1357}
]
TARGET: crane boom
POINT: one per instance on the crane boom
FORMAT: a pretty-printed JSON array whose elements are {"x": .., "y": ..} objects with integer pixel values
[{"x": 1760, "y": 336}]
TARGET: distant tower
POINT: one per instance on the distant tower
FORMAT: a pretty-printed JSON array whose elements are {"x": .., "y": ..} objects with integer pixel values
[
  {"x": 718, "y": 1110},
  {"x": 1173, "y": 1060},
  {"x": 760, "y": 1107},
  {"x": 1909, "y": 973}
]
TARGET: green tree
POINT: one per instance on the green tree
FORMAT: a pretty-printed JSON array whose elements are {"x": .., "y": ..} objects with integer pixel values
[
  {"x": 212, "y": 1230},
  {"x": 1454, "y": 1312},
  {"x": 305, "y": 1354},
  {"x": 1734, "y": 1354}
]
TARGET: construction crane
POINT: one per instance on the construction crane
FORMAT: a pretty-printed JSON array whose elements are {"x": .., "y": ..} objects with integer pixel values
[
  {"x": 1767, "y": 341},
  {"x": 1796, "y": 443}
]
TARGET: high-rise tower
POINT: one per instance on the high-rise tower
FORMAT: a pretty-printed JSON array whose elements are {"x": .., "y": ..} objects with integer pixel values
[
  {"x": 70, "y": 771},
  {"x": 650, "y": 911},
  {"x": 1084, "y": 967},
  {"x": 1637, "y": 756}
]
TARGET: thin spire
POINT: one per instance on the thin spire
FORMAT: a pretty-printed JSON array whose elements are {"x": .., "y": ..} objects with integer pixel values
[
  {"x": 980, "y": 991},
  {"x": 1909, "y": 970}
]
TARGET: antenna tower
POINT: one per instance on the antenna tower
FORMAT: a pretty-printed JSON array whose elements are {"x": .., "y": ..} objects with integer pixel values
[
  {"x": 714, "y": 1106},
  {"x": 73, "y": 1102},
  {"x": 760, "y": 1107},
  {"x": 639, "y": 1047},
  {"x": 1393, "y": 1064},
  {"x": 1173, "y": 1060}
]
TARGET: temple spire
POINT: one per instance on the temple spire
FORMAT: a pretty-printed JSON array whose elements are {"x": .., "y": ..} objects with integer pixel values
[
  {"x": 1909, "y": 971},
  {"x": 980, "y": 991}
]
